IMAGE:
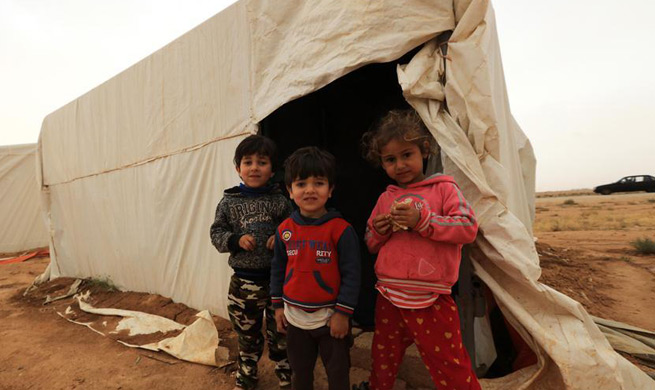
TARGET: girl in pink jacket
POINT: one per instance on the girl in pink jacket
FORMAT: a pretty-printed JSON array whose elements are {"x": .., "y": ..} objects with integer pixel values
[{"x": 417, "y": 228}]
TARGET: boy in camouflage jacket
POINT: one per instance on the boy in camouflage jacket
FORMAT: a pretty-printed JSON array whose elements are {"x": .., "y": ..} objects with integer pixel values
[{"x": 246, "y": 219}]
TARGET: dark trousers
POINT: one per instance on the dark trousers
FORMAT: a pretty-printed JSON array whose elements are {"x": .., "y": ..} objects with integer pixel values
[{"x": 303, "y": 346}]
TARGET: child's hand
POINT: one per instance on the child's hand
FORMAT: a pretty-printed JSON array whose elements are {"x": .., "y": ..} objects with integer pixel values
[
  {"x": 281, "y": 320},
  {"x": 247, "y": 242},
  {"x": 381, "y": 224},
  {"x": 270, "y": 242},
  {"x": 338, "y": 325},
  {"x": 406, "y": 215}
]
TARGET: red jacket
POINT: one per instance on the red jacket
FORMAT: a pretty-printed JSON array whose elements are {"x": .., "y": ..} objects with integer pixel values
[
  {"x": 316, "y": 264},
  {"x": 428, "y": 256}
]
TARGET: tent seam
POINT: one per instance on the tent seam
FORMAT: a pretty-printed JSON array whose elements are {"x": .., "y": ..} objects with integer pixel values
[{"x": 155, "y": 158}]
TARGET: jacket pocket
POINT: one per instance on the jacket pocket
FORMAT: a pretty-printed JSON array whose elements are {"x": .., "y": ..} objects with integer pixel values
[
  {"x": 321, "y": 283},
  {"x": 288, "y": 277}
]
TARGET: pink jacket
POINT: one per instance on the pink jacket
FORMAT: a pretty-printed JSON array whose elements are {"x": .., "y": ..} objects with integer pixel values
[{"x": 428, "y": 256}]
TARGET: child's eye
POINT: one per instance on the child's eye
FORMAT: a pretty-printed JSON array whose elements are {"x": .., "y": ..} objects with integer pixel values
[
  {"x": 407, "y": 155},
  {"x": 388, "y": 160}
]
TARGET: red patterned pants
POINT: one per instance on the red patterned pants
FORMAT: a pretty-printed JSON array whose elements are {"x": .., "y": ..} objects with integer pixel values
[{"x": 434, "y": 330}]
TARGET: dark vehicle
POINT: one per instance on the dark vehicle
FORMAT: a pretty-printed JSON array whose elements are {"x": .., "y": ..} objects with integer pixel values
[{"x": 628, "y": 183}]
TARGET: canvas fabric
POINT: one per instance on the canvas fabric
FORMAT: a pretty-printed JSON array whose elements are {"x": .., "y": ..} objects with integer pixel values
[
  {"x": 22, "y": 225},
  {"x": 130, "y": 172}
]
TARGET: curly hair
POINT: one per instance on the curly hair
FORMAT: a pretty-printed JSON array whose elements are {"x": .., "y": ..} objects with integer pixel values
[{"x": 403, "y": 125}]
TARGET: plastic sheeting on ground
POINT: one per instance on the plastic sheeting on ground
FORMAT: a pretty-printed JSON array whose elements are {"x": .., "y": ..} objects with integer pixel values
[
  {"x": 629, "y": 339},
  {"x": 132, "y": 171},
  {"x": 196, "y": 343},
  {"x": 39, "y": 253},
  {"x": 22, "y": 226}
]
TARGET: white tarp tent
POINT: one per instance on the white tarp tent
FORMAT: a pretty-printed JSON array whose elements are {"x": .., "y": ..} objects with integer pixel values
[
  {"x": 132, "y": 170},
  {"x": 22, "y": 226}
]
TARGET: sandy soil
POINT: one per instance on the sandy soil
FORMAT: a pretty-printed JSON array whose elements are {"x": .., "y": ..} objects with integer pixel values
[
  {"x": 599, "y": 267},
  {"x": 41, "y": 350}
]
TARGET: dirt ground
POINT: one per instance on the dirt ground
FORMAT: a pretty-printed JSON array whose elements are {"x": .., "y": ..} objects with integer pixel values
[
  {"x": 41, "y": 350},
  {"x": 583, "y": 241},
  {"x": 588, "y": 255}
]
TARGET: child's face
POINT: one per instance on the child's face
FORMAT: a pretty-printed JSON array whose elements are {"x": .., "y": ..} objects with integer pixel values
[
  {"x": 403, "y": 161},
  {"x": 255, "y": 170},
  {"x": 310, "y": 195}
]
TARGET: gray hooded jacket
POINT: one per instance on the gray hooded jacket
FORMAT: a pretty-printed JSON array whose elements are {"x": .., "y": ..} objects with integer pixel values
[{"x": 240, "y": 213}]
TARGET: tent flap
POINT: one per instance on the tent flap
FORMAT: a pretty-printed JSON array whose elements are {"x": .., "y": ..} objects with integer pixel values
[{"x": 484, "y": 148}]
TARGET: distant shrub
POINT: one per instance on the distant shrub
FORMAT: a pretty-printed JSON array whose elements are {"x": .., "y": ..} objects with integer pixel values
[
  {"x": 569, "y": 202},
  {"x": 645, "y": 246},
  {"x": 651, "y": 200}
]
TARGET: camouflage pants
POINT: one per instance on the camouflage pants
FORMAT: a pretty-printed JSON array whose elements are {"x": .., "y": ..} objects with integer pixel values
[{"x": 247, "y": 302}]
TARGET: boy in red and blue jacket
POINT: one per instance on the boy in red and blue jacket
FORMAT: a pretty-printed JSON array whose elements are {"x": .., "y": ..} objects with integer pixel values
[{"x": 315, "y": 273}]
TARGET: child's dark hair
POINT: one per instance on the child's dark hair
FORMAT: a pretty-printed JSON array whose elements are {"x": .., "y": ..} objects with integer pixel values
[
  {"x": 256, "y": 144},
  {"x": 309, "y": 161},
  {"x": 397, "y": 124}
]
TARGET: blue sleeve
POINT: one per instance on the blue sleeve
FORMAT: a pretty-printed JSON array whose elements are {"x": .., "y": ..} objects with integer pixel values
[
  {"x": 278, "y": 269},
  {"x": 350, "y": 266}
]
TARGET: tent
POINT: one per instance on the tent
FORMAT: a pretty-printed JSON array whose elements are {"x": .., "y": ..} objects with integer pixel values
[
  {"x": 132, "y": 170},
  {"x": 22, "y": 226}
]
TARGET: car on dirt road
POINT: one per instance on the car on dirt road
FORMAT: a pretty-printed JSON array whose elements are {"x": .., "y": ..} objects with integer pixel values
[{"x": 628, "y": 184}]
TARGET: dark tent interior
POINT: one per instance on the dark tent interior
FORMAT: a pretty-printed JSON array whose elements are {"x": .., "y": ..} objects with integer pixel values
[{"x": 334, "y": 118}]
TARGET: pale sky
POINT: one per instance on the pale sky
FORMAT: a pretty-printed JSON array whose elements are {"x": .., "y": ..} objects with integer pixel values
[{"x": 579, "y": 74}]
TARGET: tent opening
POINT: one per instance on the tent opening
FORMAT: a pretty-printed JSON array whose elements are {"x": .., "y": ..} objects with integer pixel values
[{"x": 334, "y": 118}]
